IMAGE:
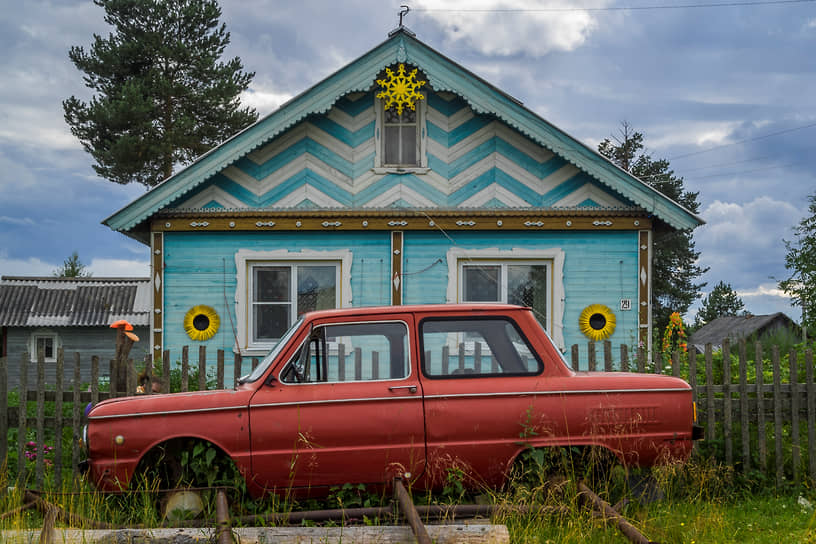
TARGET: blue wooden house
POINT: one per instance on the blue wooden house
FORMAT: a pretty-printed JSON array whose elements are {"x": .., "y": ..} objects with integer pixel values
[{"x": 401, "y": 178}]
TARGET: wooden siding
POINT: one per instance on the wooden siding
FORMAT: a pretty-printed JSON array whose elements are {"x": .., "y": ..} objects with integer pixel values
[
  {"x": 199, "y": 268},
  {"x": 599, "y": 268},
  {"x": 90, "y": 341},
  {"x": 475, "y": 160}
]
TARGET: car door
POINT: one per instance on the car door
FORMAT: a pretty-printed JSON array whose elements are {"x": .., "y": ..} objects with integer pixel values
[{"x": 346, "y": 408}]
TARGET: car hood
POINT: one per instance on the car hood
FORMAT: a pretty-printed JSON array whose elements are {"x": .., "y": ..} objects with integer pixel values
[{"x": 171, "y": 403}]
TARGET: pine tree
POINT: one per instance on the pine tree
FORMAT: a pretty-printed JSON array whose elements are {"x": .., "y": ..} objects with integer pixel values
[
  {"x": 162, "y": 96},
  {"x": 72, "y": 267},
  {"x": 723, "y": 301},
  {"x": 674, "y": 264},
  {"x": 800, "y": 260}
]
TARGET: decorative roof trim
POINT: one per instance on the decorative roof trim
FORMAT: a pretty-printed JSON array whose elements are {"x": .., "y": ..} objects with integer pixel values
[{"x": 443, "y": 75}]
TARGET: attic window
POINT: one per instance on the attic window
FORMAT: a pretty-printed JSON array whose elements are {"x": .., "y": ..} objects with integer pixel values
[{"x": 400, "y": 106}]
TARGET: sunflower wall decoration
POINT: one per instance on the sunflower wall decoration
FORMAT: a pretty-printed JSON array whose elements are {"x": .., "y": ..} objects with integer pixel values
[
  {"x": 201, "y": 322},
  {"x": 597, "y": 322},
  {"x": 400, "y": 89}
]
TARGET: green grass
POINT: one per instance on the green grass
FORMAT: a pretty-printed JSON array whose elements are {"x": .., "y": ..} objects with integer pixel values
[{"x": 703, "y": 502}]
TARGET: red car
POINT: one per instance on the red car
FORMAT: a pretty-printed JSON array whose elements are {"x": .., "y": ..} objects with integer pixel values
[{"x": 362, "y": 395}]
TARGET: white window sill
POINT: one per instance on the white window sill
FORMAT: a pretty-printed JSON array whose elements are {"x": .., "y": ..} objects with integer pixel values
[{"x": 401, "y": 170}]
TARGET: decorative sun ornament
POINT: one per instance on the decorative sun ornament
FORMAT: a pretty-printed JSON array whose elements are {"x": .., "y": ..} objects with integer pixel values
[
  {"x": 597, "y": 322},
  {"x": 399, "y": 89},
  {"x": 201, "y": 322}
]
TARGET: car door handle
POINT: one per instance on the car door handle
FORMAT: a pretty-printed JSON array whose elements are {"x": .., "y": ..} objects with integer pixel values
[{"x": 410, "y": 388}]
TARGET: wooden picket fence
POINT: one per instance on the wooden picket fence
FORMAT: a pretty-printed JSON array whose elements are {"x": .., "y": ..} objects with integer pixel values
[{"x": 754, "y": 426}]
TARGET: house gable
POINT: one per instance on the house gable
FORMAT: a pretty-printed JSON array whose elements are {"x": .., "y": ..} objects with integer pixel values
[{"x": 484, "y": 149}]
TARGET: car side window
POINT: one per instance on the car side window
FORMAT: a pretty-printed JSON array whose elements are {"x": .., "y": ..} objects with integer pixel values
[
  {"x": 351, "y": 352},
  {"x": 475, "y": 347}
]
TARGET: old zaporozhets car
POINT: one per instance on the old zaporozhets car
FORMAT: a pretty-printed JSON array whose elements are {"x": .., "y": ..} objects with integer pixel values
[{"x": 361, "y": 395}]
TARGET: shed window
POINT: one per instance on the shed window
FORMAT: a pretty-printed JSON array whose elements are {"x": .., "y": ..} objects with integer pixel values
[{"x": 47, "y": 342}]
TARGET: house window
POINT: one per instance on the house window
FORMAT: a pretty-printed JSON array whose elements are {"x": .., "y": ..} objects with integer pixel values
[
  {"x": 523, "y": 283},
  {"x": 280, "y": 292},
  {"x": 47, "y": 342}
]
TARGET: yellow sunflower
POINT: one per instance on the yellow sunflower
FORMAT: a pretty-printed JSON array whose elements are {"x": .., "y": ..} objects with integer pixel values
[
  {"x": 201, "y": 322},
  {"x": 597, "y": 322}
]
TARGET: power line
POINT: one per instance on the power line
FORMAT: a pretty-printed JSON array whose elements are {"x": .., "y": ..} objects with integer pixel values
[
  {"x": 742, "y": 141},
  {"x": 616, "y": 8}
]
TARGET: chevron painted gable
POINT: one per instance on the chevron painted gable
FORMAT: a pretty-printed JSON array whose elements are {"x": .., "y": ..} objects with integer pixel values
[{"x": 474, "y": 160}]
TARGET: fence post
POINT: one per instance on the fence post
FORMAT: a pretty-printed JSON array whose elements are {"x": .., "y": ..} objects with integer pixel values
[
  {"x": 58, "y": 386},
  {"x": 22, "y": 420},
  {"x": 77, "y": 418},
  {"x": 796, "y": 458},
  {"x": 219, "y": 373},
  {"x": 777, "y": 408},
  {"x": 811, "y": 411},
  {"x": 185, "y": 368},
  {"x": 4, "y": 417},
  {"x": 760, "y": 397},
  {"x": 236, "y": 368},
  {"x": 727, "y": 428},
  {"x": 743, "y": 390},
  {"x": 39, "y": 449},
  {"x": 591, "y": 356},
  {"x": 710, "y": 421},
  {"x": 202, "y": 368},
  {"x": 624, "y": 358}
]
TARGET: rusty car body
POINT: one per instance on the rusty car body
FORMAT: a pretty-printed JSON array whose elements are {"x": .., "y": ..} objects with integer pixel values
[{"x": 361, "y": 395}]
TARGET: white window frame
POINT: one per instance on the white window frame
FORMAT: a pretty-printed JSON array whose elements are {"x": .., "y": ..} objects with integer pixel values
[
  {"x": 379, "y": 137},
  {"x": 552, "y": 257},
  {"x": 46, "y": 334},
  {"x": 246, "y": 260}
]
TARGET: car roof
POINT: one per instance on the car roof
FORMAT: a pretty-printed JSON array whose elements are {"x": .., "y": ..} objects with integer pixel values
[{"x": 415, "y": 308}]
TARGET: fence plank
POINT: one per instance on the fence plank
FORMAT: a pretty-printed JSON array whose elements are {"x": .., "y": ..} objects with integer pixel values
[
  {"x": 796, "y": 457},
  {"x": 693, "y": 372},
  {"x": 641, "y": 356},
  {"x": 94, "y": 377},
  {"x": 607, "y": 348},
  {"x": 624, "y": 358},
  {"x": 58, "y": 423},
  {"x": 39, "y": 448},
  {"x": 727, "y": 426},
  {"x": 166, "y": 370},
  {"x": 710, "y": 422},
  {"x": 574, "y": 352},
  {"x": 743, "y": 390},
  {"x": 185, "y": 369},
  {"x": 130, "y": 379},
  {"x": 202, "y": 368},
  {"x": 236, "y": 368},
  {"x": 760, "y": 402},
  {"x": 591, "y": 356},
  {"x": 4, "y": 420},
  {"x": 219, "y": 374},
  {"x": 777, "y": 408},
  {"x": 477, "y": 357},
  {"x": 811, "y": 413},
  {"x": 148, "y": 371},
  {"x": 375, "y": 363},
  {"x": 675, "y": 360},
  {"x": 76, "y": 433},
  {"x": 358, "y": 364}
]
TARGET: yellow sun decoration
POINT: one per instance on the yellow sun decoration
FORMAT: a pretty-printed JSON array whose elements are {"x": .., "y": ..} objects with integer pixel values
[
  {"x": 201, "y": 322},
  {"x": 400, "y": 89},
  {"x": 597, "y": 322}
]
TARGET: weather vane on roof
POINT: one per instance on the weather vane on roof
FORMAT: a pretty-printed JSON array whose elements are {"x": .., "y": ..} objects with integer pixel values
[{"x": 402, "y": 13}]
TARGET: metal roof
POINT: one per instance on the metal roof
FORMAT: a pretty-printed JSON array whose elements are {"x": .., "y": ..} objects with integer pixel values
[
  {"x": 737, "y": 327},
  {"x": 73, "y": 302}
]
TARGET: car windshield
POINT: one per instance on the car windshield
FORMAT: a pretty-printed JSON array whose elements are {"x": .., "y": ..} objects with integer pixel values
[{"x": 260, "y": 370}]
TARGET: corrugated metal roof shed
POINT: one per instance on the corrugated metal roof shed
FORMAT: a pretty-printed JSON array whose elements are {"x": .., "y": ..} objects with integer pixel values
[
  {"x": 73, "y": 302},
  {"x": 737, "y": 327}
]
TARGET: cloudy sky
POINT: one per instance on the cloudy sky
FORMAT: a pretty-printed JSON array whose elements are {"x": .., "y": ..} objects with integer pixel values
[{"x": 728, "y": 94}]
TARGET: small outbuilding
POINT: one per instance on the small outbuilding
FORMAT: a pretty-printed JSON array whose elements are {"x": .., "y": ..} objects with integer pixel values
[
  {"x": 738, "y": 327},
  {"x": 49, "y": 313}
]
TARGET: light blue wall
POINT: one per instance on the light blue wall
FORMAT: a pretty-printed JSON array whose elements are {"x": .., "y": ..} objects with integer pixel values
[
  {"x": 599, "y": 268},
  {"x": 199, "y": 268}
]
